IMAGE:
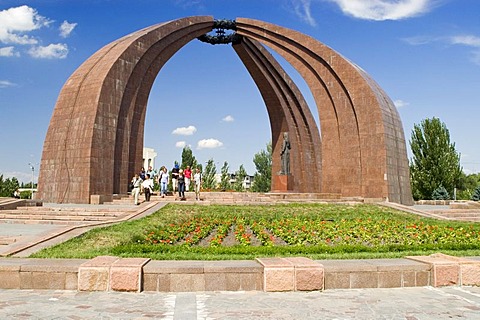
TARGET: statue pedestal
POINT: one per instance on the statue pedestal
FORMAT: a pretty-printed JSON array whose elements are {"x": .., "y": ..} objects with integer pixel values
[{"x": 282, "y": 183}]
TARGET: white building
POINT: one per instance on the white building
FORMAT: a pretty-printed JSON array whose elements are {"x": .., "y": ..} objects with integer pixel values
[
  {"x": 149, "y": 156},
  {"x": 247, "y": 181}
]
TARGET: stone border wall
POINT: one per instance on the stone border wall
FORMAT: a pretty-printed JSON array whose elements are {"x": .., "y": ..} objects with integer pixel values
[{"x": 108, "y": 273}]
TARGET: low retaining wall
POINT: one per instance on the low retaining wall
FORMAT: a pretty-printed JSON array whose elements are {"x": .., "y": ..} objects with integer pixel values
[{"x": 266, "y": 274}]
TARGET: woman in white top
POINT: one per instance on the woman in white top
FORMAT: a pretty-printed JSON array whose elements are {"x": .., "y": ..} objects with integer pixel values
[
  {"x": 136, "y": 183},
  {"x": 197, "y": 180},
  {"x": 147, "y": 187}
]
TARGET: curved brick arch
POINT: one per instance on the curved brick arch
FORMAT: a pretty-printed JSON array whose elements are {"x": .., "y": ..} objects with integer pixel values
[
  {"x": 288, "y": 112},
  {"x": 363, "y": 144},
  {"x": 95, "y": 138}
]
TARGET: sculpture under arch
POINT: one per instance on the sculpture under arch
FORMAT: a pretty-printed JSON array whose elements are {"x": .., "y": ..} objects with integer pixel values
[{"x": 95, "y": 138}]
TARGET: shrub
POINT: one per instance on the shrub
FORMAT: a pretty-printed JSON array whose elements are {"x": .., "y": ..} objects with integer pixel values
[
  {"x": 476, "y": 194},
  {"x": 440, "y": 194}
]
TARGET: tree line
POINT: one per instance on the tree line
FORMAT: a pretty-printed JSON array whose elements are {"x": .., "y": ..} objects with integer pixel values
[
  {"x": 261, "y": 179},
  {"x": 435, "y": 170}
]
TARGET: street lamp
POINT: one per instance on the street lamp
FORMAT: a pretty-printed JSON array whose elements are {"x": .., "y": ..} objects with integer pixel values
[{"x": 33, "y": 175}]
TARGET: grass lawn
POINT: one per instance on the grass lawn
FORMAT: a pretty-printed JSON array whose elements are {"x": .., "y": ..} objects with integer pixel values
[{"x": 318, "y": 231}]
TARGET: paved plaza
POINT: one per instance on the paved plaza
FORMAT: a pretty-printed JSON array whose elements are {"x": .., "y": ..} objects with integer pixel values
[{"x": 404, "y": 303}]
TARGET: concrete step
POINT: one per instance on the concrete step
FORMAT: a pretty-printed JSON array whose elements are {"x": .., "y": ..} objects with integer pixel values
[
  {"x": 45, "y": 221},
  {"x": 56, "y": 217},
  {"x": 62, "y": 213}
]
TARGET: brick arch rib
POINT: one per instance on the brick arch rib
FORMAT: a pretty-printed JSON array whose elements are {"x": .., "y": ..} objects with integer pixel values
[
  {"x": 363, "y": 164},
  {"x": 289, "y": 112},
  {"x": 104, "y": 87}
]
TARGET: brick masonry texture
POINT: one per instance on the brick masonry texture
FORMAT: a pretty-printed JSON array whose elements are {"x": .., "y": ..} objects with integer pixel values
[
  {"x": 95, "y": 138},
  {"x": 107, "y": 273}
]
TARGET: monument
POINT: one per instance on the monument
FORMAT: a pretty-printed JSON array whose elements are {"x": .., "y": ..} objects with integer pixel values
[{"x": 95, "y": 138}]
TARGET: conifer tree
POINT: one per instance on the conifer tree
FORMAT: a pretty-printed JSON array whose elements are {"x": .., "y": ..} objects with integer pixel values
[
  {"x": 435, "y": 161},
  {"x": 208, "y": 176}
]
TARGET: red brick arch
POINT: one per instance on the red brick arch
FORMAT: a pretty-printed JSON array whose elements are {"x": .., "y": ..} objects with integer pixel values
[{"x": 95, "y": 139}]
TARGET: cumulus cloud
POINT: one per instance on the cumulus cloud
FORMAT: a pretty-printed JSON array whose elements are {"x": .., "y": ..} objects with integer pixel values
[
  {"x": 6, "y": 84},
  {"x": 400, "y": 103},
  {"x": 209, "y": 144},
  {"x": 384, "y": 9},
  {"x": 8, "y": 52},
  {"x": 180, "y": 144},
  {"x": 52, "y": 51},
  {"x": 185, "y": 131},
  {"x": 14, "y": 22},
  {"x": 66, "y": 28},
  {"x": 228, "y": 118}
]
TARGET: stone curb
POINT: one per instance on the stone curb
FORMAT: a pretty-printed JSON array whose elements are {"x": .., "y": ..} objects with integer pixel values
[{"x": 108, "y": 273}]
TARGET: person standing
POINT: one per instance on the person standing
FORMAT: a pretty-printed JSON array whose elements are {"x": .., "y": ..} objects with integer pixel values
[
  {"x": 175, "y": 171},
  {"x": 147, "y": 187},
  {"x": 181, "y": 185},
  {"x": 188, "y": 177},
  {"x": 163, "y": 181},
  {"x": 136, "y": 183},
  {"x": 197, "y": 180},
  {"x": 152, "y": 173},
  {"x": 142, "y": 173}
]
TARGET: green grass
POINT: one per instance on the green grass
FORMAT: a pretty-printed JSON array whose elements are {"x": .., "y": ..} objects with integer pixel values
[{"x": 318, "y": 231}]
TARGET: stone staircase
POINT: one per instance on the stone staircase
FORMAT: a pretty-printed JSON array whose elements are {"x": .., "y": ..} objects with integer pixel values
[
  {"x": 63, "y": 215},
  {"x": 251, "y": 198},
  {"x": 472, "y": 215},
  {"x": 10, "y": 203}
]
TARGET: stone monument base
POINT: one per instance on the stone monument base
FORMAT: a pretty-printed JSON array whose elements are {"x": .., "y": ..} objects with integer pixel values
[{"x": 282, "y": 183}]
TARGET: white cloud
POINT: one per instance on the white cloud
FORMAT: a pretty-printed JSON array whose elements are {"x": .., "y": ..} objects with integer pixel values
[
  {"x": 470, "y": 41},
  {"x": 52, "y": 51},
  {"x": 209, "y": 144},
  {"x": 302, "y": 10},
  {"x": 420, "y": 40},
  {"x": 16, "y": 21},
  {"x": 8, "y": 52},
  {"x": 400, "y": 103},
  {"x": 228, "y": 118},
  {"x": 466, "y": 40},
  {"x": 180, "y": 144},
  {"x": 185, "y": 131},
  {"x": 66, "y": 28},
  {"x": 384, "y": 9},
  {"x": 6, "y": 84}
]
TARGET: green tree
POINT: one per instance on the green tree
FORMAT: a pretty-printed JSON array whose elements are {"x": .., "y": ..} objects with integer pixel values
[
  {"x": 8, "y": 186},
  {"x": 262, "y": 181},
  {"x": 188, "y": 159},
  {"x": 435, "y": 161},
  {"x": 466, "y": 185},
  {"x": 225, "y": 179},
  {"x": 240, "y": 175},
  {"x": 208, "y": 175}
]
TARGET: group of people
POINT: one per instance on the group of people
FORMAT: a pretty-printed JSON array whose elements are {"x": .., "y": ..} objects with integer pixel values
[{"x": 181, "y": 181}]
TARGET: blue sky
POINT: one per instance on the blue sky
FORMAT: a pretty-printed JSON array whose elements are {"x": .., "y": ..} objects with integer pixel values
[{"x": 424, "y": 53}]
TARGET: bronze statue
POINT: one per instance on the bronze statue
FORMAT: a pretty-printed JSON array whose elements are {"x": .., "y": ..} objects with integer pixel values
[{"x": 285, "y": 154}]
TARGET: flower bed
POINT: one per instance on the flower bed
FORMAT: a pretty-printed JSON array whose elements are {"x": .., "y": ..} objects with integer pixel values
[
  {"x": 245, "y": 232},
  {"x": 319, "y": 227}
]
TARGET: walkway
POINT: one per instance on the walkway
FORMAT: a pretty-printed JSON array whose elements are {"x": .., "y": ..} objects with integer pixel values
[{"x": 406, "y": 303}]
